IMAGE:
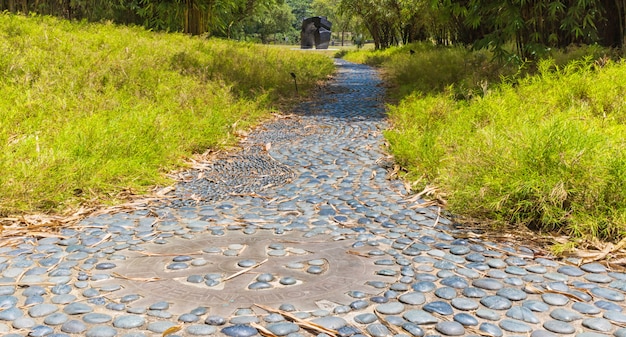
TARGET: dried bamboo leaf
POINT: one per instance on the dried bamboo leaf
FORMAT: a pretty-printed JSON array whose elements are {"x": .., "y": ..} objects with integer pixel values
[
  {"x": 172, "y": 330},
  {"x": 140, "y": 279},
  {"x": 302, "y": 323},
  {"x": 245, "y": 270},
  {"x": 262, "y": 330}
]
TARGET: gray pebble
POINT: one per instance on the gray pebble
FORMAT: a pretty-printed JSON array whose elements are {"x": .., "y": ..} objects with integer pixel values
[{"x": 74, "y": 326}]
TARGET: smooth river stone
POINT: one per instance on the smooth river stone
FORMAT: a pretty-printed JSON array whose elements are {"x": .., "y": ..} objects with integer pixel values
[
  {"x": 522, "y": 314},
  {"x": 512, "y": 294},
  {"x": 490, "y": 329},
  {"x": 239, "y": 330},
  {"x": 73, "y": 326},
  {"x": 283, "y": 328},
  {"x": 565, "y": 315},
  {"x": 608, "y": 294},
  {"x": 462, "y": 303},
  {"x": 440, "y": 307},
  {"x": 465, "y": 319},
  {"x": 101, "y": 331},
  {"x": 515, "y": 326},
  {"x": 446, "y": 293},
  {"x": 594, "y": 267},
  {"x": 419, "y": 317},
  {"x": 450, "y": 328},
  {"x": 365, "y": 318},
  {"x": 536, "y": 306},
  {"x": 615, "y": 316},
  {"x": 331, "y": 322},
  {"x": 200, "y": 330},
  {"x": 412, "y": 298},
  {"x": 571, "y": 271},
  {"x": 392, "y": 308},
  {"x": 559, "y": 327},
  {"x": 555, "y": 299},
  {"x": 488, "y": 284},
  {"x": 585, "y": 308},
  {"x": 424, "y": 286},
  {"x": 496, "y": 302},
  {"x": 377, "y": 330},
  {"x": 454, "y": 282},
  {"x": 128, "y": 321},
  {"x": 598, "y": 324},
  {"x": 41, "y": 310}
]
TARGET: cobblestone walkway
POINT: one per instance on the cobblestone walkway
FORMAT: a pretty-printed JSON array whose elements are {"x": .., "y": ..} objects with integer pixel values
[{"x": 304, "y": 220}]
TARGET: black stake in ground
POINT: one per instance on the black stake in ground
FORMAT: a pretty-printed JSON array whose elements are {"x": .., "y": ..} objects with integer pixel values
[{"x": 295, "y": 82}]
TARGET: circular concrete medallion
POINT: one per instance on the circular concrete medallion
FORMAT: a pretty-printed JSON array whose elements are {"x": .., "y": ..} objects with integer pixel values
[{"x": 237, "y": 270}]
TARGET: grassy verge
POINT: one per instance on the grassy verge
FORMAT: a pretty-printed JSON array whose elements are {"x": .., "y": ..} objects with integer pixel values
[
  {"x": 545, "y": 150},
  {"x": 88, "y": 110}
]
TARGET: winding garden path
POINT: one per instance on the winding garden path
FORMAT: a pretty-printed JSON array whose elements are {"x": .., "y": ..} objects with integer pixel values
[{"x": 302, "y": 225}]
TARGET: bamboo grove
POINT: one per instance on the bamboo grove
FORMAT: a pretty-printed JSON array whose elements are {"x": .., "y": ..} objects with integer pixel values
[{"x": 531, "y": 27}]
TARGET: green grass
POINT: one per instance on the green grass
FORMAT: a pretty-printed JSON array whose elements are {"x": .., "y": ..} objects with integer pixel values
[
  {"x": 545, "y": 150},
  {"x": 88, "y": 110}
]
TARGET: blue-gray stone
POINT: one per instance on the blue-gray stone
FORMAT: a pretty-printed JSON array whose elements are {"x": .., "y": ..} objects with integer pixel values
[
  {"x": 101, "y": 331},
  {"x": 450, "y": 328},
  {"x": 412, "y": 298},
  {"x": 536, "y": 306},
  {"x": 200, "y": 330},
  {"x": 609, "y": 294},
  {"x": 239, "y": 330},
  {"x": 330, "y": 322},
  {"x": 128, "y": 321},
  {"x": 542, "y": 333},
  {"x": 606, "y": 305},
  {"x": 73, "y": 326},
  {"x": 365, "y": 318},
  {"x": 177, "y": 266},
  {"x": 620, "y": 332},
  {"x": 488, "y": 284},
  {"x": 392, "y": 308},
  {"x": 487, "y": 314},
  {"x": 522, "y": 314},
  {"x": 455, "y": 282},
  {"x": 188, "y": 318},
  {"x": 424, "y": 286},
  {"x": 440, "y": 307},
  {"x": 490, "y": 329},
  {"x": 537, "y": 269},
  {"x": 97, "y": 318},
  {"x": 259, "y": 285},
  {"x": 515, "y": 326},
  {"x": 571, "y": 271},
  {"x": 377, "y": 330},
  {"x": 496, "y": 302},
  {"x": 105, "y": 266},
  {"x": 40, "y": 331},
  {"x": 559, "y": 327},
  {"x": 514, "y": 270},
  {"x": 56, "y": 318},
  {"x": 77, "y": 308},
  {"x": 288, "y": 280},
  {"x": 32, "y": 300},
  {"x": 359, "y": 304},
  {"x": 215, "y": 320},
  {"x": 419, "y": 317},
  {"x": 161, "y": 305},
  {"x": 41, "y": 310},
  {"x": 598, "y": 324},
  {"x": 585, "y": 308},
  {"x": 462, "y": 303},
  {"x": 34, "y": 290},
  {"x": 512, "y": 294},
  {"x": 615, "y": 316},
  {"x": 413, "y": 329},
  {"x": 555, "y": 299},
  {"x": 474, "y": 292},
  {"x": 24, "y": 323},
  {"x": 593, "y": 267},
  {"x": 10, "y": 314},
  {"x": 466, "y": 319},
  {"x": 446, "y": 293},
  {"x": 565, "y": 315},
  {"x": 7, "y": 301}
]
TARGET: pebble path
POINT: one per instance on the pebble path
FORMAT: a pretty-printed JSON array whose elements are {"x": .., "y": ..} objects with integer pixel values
[{"x": 304, "y": 219}]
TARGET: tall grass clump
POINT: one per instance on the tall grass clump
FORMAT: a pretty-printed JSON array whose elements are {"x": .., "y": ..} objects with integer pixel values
[
  {"x": 548, "y": 152},
  {"x": 88, "y": 110},
  {"x": 422, "y": 68}
]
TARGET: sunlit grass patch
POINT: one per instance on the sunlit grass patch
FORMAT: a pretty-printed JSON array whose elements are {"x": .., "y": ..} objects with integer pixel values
[{"x": 88, "y": 110}]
